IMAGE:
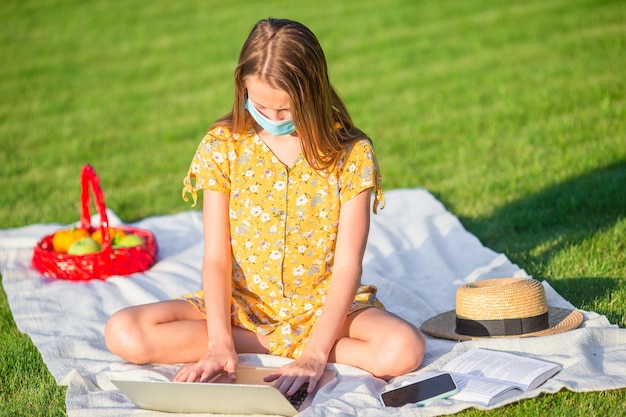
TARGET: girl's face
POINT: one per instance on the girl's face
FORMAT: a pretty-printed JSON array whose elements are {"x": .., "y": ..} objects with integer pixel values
[{"x": 269, "y": 101}]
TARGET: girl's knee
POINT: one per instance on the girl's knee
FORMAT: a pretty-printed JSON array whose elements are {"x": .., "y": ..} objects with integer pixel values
[
  {"x": 115, "y": 330},
  {"x": 403, "y": 351},
  {"x": 413, "y": 345},
  {"x": 123, "y": 336}
]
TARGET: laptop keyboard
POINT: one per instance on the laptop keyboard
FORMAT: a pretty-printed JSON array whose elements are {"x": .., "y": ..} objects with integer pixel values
[{"x": 299, "y": 397}]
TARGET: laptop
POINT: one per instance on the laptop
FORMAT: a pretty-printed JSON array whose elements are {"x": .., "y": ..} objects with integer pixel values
[{"x": 248, "y": 394}]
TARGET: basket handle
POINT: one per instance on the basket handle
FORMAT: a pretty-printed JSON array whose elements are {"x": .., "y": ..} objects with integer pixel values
[{"x": 89, "y": 178}]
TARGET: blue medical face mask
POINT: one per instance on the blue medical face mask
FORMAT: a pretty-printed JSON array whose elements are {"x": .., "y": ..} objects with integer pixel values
[{"x": 275, "y": 127}]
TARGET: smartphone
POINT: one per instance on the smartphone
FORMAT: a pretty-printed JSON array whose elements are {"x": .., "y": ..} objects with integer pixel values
[{"x": 421, "y": 392}]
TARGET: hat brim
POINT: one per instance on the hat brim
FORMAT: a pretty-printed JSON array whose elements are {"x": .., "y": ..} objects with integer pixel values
[{"x": 444, "y": 325}]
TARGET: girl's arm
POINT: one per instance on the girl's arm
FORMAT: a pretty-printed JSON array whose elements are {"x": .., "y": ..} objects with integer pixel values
[
  {"x": 216, "y": 283},
  {"x": 345, "y": 280}
]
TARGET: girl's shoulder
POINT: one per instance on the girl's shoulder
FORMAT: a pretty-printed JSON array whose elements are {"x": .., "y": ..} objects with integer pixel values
[{"x": 358, "y": 148}]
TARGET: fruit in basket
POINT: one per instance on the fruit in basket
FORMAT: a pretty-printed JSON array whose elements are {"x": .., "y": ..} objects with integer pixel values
[
  {"x": 63, "y": 239},
  {"x": 115, "y": 234},
  {"x": 84, "y": 246},
  {"x": 129, "y": 241}
]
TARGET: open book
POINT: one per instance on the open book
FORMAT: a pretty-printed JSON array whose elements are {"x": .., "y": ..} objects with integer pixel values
[{"x": 487, "y": 377}]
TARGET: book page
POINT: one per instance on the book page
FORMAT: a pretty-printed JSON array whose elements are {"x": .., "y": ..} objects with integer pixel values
[
  {"x": 525, "y": 373},
  {"x": 483, "y": 391}
]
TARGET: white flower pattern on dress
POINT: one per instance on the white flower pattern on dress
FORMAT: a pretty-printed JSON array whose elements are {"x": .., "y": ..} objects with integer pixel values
[{"x": 283, "y": 222}]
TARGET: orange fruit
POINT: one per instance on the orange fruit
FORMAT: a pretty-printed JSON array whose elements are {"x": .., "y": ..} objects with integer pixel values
[
  {"x": 116, "y": 234},
  {"x": 63, "y": 239}
]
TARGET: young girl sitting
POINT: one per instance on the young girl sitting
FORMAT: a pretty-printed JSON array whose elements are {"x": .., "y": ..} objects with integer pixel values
[{"x": 287, "y": 181}]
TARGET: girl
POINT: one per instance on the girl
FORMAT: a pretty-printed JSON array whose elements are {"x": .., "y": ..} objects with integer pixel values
[{"x": 287, "y": 181}]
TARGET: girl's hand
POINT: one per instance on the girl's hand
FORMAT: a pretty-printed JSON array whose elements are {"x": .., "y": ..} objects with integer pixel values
[
  {"x": 304, "y": 370},
  {"x": 208, "y": 366}
]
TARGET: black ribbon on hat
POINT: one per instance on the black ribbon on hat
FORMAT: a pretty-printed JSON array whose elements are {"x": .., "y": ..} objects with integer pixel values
[{"x": 502, "y": 327}]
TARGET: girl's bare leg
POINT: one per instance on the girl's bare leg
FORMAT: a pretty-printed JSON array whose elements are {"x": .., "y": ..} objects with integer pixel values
[
  {"x": 175, "y": 332},
  {"x": 167, "y": 332},
  {"x": 379, "y": 342}
]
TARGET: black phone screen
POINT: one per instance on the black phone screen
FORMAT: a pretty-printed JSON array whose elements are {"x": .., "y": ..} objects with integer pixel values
[{"x": 419, "y": 391}]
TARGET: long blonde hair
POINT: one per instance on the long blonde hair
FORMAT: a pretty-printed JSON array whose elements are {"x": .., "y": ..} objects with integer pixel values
[{"x": 287, "y": 55}]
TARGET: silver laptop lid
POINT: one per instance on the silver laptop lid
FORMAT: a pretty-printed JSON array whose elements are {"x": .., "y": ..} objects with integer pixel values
[{"x": 249, "y": 394}]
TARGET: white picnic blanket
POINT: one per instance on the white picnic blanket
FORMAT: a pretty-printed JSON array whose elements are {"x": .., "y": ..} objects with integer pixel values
[{"x": 418, "y": 255}]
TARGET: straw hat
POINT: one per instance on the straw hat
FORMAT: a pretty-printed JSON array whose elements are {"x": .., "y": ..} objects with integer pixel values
[{"x": 502, "y": 307}]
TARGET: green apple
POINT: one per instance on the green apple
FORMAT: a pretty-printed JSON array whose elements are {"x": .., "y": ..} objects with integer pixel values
[
  {"x": 129, "y": 241},
  {"x": 84, "y": 246}
]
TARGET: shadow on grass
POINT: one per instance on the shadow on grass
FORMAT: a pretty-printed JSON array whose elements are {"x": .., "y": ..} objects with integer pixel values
[
  {"x": 586, "y": 292},
  {"x": 533, "y": 230},
  {"x": 557, "y": 217}
]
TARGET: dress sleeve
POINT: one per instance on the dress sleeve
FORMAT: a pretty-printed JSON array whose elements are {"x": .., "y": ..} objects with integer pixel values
[
  {"x": 358, "y": 171},
  {"x": 209, "y": 167}
]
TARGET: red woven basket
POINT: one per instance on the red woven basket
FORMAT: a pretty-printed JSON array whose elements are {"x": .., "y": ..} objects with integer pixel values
[{"x": 101, "y": 265}]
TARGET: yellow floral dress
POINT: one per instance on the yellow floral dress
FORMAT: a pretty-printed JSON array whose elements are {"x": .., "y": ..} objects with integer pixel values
[{"x": 283, "y": 225}]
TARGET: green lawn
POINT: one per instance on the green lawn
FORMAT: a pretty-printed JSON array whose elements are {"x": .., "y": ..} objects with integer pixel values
[{"x": 512, "y": 113}]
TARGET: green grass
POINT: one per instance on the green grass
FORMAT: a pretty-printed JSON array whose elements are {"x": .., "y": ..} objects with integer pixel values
[{"x": 511, "y": 113}]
